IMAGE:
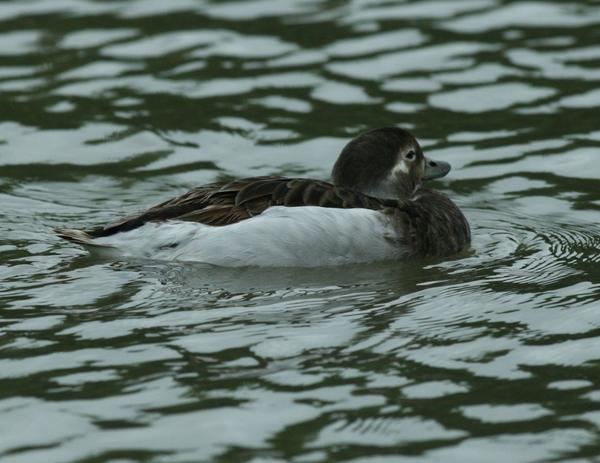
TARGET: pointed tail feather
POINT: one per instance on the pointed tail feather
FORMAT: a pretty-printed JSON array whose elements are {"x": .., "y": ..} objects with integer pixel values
[{"x": 80, "y": 237}]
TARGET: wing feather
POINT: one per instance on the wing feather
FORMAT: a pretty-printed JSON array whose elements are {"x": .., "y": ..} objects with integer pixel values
[
  {"x": 255, "y": 190},
  {"x": 224, "y": 203}
]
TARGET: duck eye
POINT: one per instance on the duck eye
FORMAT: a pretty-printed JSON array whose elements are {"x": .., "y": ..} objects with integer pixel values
[{"x": 410, "y": 155}]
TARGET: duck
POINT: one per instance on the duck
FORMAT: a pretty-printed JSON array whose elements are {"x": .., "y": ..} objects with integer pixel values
[{"x": 375, "y": 208}]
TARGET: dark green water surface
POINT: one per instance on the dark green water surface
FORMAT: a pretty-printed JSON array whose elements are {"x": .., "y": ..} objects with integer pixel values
[{"x": 491, "y": 356}]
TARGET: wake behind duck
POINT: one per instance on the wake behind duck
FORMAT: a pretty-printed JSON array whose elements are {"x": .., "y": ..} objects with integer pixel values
[{"x": 375, "y": 209}]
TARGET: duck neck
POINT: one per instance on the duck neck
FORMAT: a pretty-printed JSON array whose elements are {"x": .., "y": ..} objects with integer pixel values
[{"x": 393, "y": 189}]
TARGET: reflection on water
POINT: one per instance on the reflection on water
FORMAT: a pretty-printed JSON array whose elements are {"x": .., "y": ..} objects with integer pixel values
[{"x": 111, "y": 106}]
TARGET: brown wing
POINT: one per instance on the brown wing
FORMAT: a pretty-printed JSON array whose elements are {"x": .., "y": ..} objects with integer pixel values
[{"x": 225, "y": 203}]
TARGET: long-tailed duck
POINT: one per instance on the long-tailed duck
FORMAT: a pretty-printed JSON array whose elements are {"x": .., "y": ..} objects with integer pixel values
[{"x": 375, "y": 209}]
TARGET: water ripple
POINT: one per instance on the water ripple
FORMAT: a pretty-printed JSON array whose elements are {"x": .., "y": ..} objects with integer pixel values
[{"x": 111, "y": 106}]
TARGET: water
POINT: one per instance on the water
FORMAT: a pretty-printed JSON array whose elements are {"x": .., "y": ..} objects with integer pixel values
[{"x": 110, "y": 106}]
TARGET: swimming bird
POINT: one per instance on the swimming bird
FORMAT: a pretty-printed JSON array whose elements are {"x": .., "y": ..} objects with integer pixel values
[{"x": 375, "y": 208}]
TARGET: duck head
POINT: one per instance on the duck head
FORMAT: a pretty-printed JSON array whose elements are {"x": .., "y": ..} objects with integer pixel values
[{"x": 385, "y": 163}]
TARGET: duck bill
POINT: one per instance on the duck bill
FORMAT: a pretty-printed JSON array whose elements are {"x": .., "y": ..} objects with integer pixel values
[{"x": 435, "y": 169}]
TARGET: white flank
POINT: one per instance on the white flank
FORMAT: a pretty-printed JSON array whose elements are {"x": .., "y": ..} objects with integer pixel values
[{"x": 280, "y": 237}]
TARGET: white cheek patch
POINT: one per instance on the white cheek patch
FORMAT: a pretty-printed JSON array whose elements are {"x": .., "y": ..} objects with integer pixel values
[{"x": 400, "y": 167}]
